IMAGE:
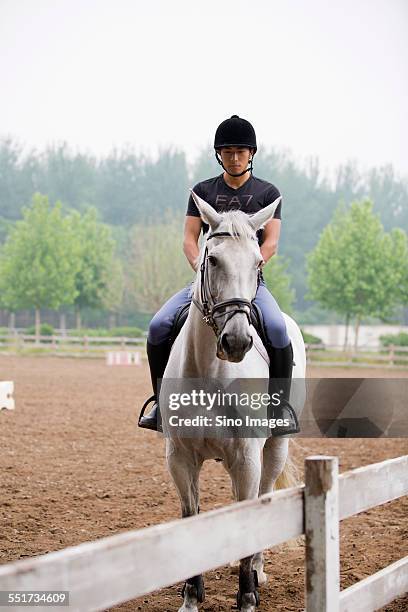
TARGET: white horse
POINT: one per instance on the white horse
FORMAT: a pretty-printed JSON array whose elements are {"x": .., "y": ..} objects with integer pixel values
[{"x": 228, "y": 270}]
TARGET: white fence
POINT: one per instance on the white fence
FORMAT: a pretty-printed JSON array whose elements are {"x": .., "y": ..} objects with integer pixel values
[
  {"x": 119, "y": 568},
  {"x": 391, "y": 356},
  {"x": 6, "y": 395},
  {"x": 317, "y": 354},
  {"x": 71, "y": 345},
  {"x": 368, "y": 335}
]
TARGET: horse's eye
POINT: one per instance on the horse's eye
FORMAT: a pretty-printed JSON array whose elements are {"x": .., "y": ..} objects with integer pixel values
[{"x": 212, "y": 260}]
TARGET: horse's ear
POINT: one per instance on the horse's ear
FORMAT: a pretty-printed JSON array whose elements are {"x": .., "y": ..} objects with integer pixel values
[
  {"x": 207, "y": 212},
  {"x": 264, "y": 215}
]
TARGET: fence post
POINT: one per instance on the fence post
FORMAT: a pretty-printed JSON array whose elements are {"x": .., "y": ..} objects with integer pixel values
[
  {"x": 322, "y": 534},
  {"x": 392, "y": 353}
]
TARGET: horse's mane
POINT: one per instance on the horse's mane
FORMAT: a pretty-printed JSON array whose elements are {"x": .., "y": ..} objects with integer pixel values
[{"x": 237, "y": 222}]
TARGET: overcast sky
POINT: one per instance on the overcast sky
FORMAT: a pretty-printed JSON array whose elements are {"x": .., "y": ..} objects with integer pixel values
[{"x": 319, "y": 77}]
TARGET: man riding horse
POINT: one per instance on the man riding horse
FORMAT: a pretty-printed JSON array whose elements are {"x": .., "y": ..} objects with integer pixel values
[{"x": 236, "y": 188}]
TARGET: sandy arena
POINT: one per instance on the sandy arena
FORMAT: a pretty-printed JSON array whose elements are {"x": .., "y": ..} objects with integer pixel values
[{"x": 74, "y": 467}]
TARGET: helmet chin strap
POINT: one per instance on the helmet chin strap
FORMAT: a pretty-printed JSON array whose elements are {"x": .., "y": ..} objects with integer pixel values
[{"x": 219, "y": 160}]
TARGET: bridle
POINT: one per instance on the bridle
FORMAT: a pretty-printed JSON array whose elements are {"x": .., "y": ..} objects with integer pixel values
[{"x": 208, "y": 306}]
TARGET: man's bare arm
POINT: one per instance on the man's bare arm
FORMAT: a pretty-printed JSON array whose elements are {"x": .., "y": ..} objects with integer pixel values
[
  {"x": 271, "y": 239},
  {"x": 192, "y": 229}
]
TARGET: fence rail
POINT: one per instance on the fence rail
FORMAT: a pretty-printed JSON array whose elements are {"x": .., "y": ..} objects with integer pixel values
[
  {"x": 391, "y": 356},
  {"x": 317, "y": 354},
  {"x": 377, "y": 590},
  {"x": 119, "y": 568},
  {"x": 61, "y": 344}
]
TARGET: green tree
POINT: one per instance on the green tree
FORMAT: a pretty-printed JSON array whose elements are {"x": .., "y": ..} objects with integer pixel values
[
  {"x": 18, "y": 178},
  {"x": 205, "y": 165},
  {"x": 157, "y": 265},
  {"x": 390, "y": 194},
  {"x": 165, "y": 186},
  {"x": 5, "y": 227},
  {"x": 355, "y": 269},
  {"x": 68, "y": 176},
  {"x": 134, "y": 189},
  {"x": 278, "y": 282},
  {"x": 119, "y": 187},
  {"x": 113, "y": 295},
  {"x": 397, "y": 252},
  {"x": 93, "y": 278},
  {"x": 39, "y": 260}
]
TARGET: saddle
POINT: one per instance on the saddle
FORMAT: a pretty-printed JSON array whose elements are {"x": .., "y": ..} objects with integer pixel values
[{"x": 256, "y": 320}]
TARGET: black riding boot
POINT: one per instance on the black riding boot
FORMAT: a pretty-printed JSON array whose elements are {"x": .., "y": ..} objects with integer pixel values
[
  {"x": 158, "y": 356},
  {"x": 280, "y": 379}
]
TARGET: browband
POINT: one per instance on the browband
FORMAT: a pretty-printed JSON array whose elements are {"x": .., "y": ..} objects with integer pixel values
[{"x": 226, "y": 234}]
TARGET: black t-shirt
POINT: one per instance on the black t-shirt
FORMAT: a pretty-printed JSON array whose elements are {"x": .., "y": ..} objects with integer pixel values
[{"x": 252, "y": 196}]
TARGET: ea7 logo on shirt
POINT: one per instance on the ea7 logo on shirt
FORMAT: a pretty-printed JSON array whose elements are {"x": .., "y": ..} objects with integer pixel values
[{"x": 224, "y": 202}]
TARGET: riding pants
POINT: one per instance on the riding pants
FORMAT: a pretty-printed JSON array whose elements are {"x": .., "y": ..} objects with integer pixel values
[{"x": 162, "y": 323}]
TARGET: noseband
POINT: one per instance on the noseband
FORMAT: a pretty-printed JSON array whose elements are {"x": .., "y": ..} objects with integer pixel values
[{"x": 208, "y": 307}]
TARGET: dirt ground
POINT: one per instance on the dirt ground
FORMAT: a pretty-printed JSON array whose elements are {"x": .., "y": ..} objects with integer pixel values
[{"x": 74, "y": 467}]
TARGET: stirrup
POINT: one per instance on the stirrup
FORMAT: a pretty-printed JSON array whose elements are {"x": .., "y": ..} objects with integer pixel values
[
  {"x": 157, "y": 425},
  {"x": 293, "y": 426},
  {"x": 145, "y": 405}
]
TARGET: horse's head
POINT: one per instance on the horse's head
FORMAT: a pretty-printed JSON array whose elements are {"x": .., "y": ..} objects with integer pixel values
[{"x": 228, "y": 275}]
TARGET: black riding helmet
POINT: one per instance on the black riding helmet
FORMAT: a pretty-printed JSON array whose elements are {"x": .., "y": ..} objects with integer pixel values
[{"x": 235, "y": 132}]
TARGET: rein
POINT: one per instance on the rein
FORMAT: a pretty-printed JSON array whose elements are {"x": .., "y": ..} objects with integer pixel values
[{"x": 209, "y": 309}]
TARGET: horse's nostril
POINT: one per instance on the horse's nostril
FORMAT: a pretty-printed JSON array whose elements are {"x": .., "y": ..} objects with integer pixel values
[
  {"x": 224, "y": 342},
  {"x": 231, "y": 344}
]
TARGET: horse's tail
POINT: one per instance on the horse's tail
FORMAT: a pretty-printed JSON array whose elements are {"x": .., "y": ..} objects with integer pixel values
[{"x": 289, "y": 477}]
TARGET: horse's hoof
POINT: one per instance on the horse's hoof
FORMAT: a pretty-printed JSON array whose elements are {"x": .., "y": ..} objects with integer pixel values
[
  {"x": 247, "y": 602},
  {"x": 193, "y": 593}
]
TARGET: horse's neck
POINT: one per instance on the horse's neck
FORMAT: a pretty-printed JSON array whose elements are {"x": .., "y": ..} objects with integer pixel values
[{"x": 199, "y": 354}]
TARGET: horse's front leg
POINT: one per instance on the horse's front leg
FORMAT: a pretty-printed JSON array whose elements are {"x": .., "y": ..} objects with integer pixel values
[
  {"x": 245, "y": 472},
  {"x": 185, "y": 469}
]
